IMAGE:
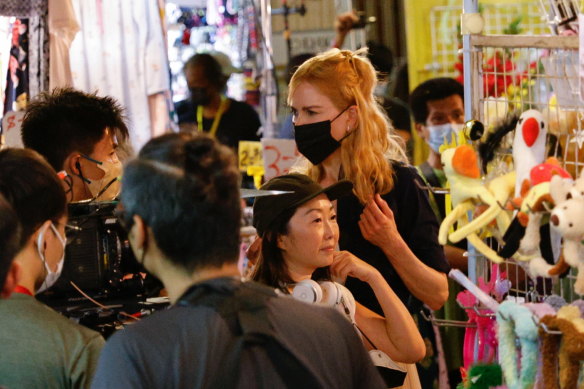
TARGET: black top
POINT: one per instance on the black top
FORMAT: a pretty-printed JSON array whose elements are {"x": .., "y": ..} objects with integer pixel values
[
  {"x": 185, "y": 347},
  {"x": 415, "y": 222},
  {"x": 239, "y": 122}
]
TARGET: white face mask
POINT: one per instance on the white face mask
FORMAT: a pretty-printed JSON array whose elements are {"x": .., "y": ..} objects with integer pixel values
[
  {"x": 108, "y": 187},
  {"x": 380, "y": 89},
  {"x": 52, "y": 276},
  {"x": 439, "y": 132}
]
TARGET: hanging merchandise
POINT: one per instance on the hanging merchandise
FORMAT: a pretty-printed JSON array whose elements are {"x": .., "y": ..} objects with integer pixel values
[
  {"x": 16, "y": 94},
  {"x": 63, "y": 27},
  {"x": 120, "y": 51}
]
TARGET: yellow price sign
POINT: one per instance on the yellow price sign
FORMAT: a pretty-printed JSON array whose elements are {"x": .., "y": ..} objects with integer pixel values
[{"x": 250, "y": 154}]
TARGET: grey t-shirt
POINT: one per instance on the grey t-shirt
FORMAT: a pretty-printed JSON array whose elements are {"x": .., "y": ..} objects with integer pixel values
[{"x": 183, "y": 347}]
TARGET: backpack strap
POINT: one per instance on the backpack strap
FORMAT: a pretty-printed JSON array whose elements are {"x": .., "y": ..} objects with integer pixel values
[
  {"x": 427, "y": 175},
  {"x": 243, "y": 306}
]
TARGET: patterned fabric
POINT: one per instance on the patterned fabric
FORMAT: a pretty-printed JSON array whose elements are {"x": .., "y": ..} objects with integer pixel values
[
  {"x": 38, "y": 54},
  {"x": 22, "y": 8}
]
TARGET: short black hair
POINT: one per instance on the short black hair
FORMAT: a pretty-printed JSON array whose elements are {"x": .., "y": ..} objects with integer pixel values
[
  {"x": 32, "y": 188},
  {"x": 186, "y": 189},
  {"x": 294, "y": 63},
  {"x": 66, "y": 120},
  {"x": 381, "y": 58},
  {"x": 10, "y": 242},
  {"x": 211, "y": 69},
  {"x": 433, "y": 89}
]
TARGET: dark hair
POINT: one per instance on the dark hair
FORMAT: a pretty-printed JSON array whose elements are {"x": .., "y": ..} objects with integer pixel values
[
  {"x": 211, "y": 69},
  {"x": 270, "y": 268},
  {"x": 10, "y": 242},
  {"x": 433, "y": 89},
  {"x": 294, "y": 63},
  {"x": 32, "y": 188},
  {"x": 186, "y": 188},
  {"x": 381, "y": 58},
  {"x": 67, "y": 120}
]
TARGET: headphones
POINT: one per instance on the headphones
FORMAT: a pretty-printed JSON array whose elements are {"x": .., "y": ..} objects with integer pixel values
[{"x": 327, "y": 293}]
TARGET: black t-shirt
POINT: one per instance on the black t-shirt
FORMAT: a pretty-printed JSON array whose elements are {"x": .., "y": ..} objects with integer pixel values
[
  {"x": 184, "y": 346},
  {"x": 415, "y": 222},
  {"x": 239, "y": 122}
]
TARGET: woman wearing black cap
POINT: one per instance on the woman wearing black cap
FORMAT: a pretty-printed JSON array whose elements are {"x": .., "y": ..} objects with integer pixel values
[{"x": 300, "y": 235}]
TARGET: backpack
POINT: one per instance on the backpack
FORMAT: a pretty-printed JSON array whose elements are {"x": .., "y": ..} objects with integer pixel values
[{"x": 243, "y": 306}]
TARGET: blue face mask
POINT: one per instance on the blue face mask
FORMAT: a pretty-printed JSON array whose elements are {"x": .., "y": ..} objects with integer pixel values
[{"x": 439, "y": 132}]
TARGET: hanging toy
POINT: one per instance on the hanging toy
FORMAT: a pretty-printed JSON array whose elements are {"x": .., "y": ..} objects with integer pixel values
[
  {"x": 467, "y": 191},
  {"x": 482, "y": 377},
  {"x": 566, "y": 218}
]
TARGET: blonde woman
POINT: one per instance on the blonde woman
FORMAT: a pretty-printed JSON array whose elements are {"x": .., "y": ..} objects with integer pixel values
[{"x": 344, "y": 134}]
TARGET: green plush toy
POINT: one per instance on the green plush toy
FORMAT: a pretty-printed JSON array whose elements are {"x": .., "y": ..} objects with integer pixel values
[{"x": 482, "y": 377}]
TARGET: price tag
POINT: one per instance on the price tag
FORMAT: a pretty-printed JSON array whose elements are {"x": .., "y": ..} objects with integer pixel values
[
  {"x": 250, "y": 154},
  {"x": 279, "y": 156}
]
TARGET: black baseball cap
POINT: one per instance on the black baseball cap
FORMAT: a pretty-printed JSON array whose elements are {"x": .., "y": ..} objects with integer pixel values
[{"x": 267, "y": 208}]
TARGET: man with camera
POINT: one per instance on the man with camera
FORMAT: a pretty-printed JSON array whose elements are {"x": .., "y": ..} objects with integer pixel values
[
  {"x": 78, "y": 133},
  {"x": 221, "y": 332},
  {"x": 39, "y": 348}
]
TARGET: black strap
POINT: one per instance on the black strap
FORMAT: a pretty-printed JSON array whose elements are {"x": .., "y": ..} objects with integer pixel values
[{"x": 243, "y": 306}]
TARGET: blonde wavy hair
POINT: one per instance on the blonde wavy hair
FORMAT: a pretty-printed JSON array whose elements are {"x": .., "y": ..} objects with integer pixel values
[{"x": 348, "y": 78}]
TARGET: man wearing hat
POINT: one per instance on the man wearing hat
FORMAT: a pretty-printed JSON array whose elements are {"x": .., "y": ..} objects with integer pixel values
[{"x": 208, "y": 109}]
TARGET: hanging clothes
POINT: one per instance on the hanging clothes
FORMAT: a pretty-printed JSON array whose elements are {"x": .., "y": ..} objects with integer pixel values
[
  {"x": 63, "y": 27},
  {"x": 120, "y": 51},
  {"x": 16, "y": 93},
  {"x": 35, "y": 74}
]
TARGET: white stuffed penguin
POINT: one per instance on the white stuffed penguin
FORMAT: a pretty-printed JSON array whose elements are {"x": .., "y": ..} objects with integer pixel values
[{"x": 528, "y": 145}]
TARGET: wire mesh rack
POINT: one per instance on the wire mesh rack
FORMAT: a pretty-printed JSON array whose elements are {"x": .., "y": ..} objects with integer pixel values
[
  {"x": 516, "y": 73},
  {"x": 445, "y": 30}
]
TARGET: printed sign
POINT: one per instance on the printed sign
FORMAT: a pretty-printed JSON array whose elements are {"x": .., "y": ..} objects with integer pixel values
[
  {"x": 279, "y": 156},
  {"x": 11, "y": 123},
  {"x": 250, "y": 154}
]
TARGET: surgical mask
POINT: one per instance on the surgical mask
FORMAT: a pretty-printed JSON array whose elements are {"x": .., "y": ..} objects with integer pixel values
[
  {"x": 108, "y": 187},
  {"x": 315, "y": 141},
  {"x": 380, "y": 89},
  {"x": 52, "y": 276},
  {"x": 439, "y": 132},
  {"x": 200, "y": 96}
]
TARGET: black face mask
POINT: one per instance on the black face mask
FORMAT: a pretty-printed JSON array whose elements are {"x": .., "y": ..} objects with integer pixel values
[
  {"x": 200, "y": 96},
  {"x": 315, "y": 141}
]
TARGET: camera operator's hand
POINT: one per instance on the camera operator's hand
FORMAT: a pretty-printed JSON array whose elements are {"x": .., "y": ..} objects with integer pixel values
[{"x": 343, "y": 24}]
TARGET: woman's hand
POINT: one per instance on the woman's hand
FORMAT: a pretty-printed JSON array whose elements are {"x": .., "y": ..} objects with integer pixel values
[
  {"x": 346, "y": 264},
  {"x": 378, "y": 225}
]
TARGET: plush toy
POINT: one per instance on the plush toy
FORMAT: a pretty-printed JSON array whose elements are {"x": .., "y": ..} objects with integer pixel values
[
  {"x": 534, "y": 204},
  {"x": 467, "y": 191},
  {"x": 563, "y": 352},
  {"x": 566, "y": 218},
  {"x": 516, "y": 322},
  {"x": 482, "y": 377},
  {"x": 528, "y": 145}
]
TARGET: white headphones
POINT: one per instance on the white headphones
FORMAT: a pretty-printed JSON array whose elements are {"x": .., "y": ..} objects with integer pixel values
[{"x": 328, "y": 293}]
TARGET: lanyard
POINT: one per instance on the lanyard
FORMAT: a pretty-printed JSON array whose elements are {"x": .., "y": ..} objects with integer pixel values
[
  {"x": 215, "y": 125},
  {"x": 22, "y": 289}
]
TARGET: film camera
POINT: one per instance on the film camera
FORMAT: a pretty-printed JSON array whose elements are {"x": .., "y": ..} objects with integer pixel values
[{"x": 98, "y": 258}]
